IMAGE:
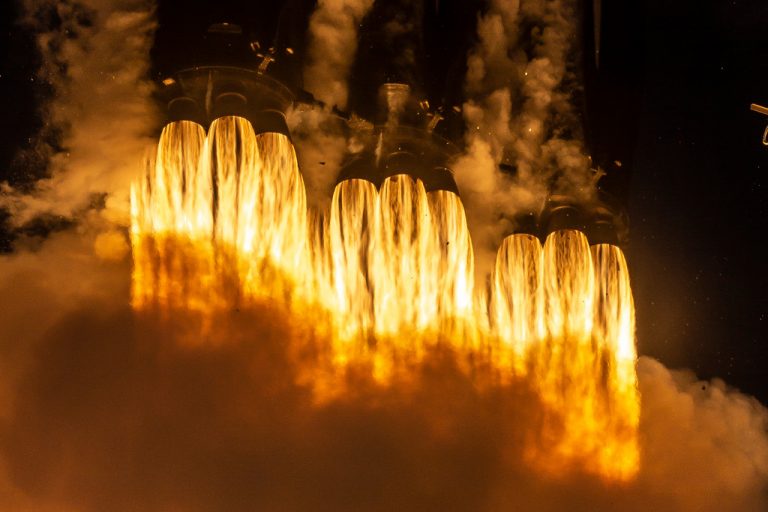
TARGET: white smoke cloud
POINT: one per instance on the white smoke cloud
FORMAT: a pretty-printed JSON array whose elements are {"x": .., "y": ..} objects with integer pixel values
[
  {"x": 321, "y": 140},
  {"x": 95, "y": 56},
  {"x": 333, "y": 29},
  {"x": 321, "y": 144},
  {"x": 705, "y": 446},
  {"x": 518, "y": 107}
]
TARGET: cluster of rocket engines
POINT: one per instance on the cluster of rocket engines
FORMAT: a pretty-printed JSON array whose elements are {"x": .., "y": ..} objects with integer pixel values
[{"x": 402, "y": 138}]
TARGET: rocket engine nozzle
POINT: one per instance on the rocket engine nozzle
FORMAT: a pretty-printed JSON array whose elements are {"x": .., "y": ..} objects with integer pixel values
[
  {"x": 233, "y": 82},
  {"x": 601, "y": 220},
  {"x": 404, "y": 142},
  {"x": 204, "y": 94}
]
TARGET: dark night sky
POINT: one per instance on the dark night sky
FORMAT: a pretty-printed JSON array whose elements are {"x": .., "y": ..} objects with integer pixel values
[
  {"x": 686, "y": 74},
  {"x": 700, "y": 192}
]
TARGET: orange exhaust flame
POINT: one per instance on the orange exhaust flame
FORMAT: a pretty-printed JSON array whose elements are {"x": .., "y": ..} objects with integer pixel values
[{"x": 387, "y": 275}]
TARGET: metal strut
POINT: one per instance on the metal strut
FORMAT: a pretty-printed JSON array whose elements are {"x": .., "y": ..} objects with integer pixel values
[{"x": 762, "y": 110}]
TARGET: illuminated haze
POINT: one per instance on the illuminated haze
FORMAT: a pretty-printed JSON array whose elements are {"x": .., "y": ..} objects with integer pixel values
[
  {"x": 95, "y": 58},
  {"x": 519, "y": 113}
]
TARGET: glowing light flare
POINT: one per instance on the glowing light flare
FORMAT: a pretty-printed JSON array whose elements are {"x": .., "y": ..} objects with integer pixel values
[
  {"x": 400, "y": 259},
  {"x": 352, "y": 222},
  {"x": 236, "y": 197},
  {"x": 455, "y": 269},
  {"x": 564, "y": 313},
  {"x": 403, "y": 254},
  {"x": 517, "y": 301},
  {"x": 615, "y": 331},
  {"x": 175, "y": 194},
  {"x": 173, "y": 204}
]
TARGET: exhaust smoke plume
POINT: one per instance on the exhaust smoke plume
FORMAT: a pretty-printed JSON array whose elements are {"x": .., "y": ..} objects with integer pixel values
[
  {"x": 519, "y": 113},
  {"x": 322, "y": 141},
  {"x": 243, "y": 361},
  {"x": 95, "y": 56},
  {"x": 332, "y": 47}
]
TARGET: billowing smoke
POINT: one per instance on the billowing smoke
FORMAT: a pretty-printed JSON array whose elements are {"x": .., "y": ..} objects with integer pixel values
[
  {"x": 95, "y": 56},
  {"x": 710, "y": 440},
  {"x": 519, "y": 114},
  {"x": 321, "y": 139},
  {"x": 105, "y": 409},
  {"x": 333, "y": 30}
]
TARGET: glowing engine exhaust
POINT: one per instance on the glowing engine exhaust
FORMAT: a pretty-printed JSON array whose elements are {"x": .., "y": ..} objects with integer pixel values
[{"x": 220, "y": 221}]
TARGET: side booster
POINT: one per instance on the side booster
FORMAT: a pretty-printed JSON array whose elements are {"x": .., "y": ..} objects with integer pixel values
[
  {"x": 403, "y": 142},
  {"x": 241, "y": 87}
]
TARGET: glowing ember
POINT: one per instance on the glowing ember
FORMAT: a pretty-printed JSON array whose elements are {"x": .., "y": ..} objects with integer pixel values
[{"x": 221, "y": 220}]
